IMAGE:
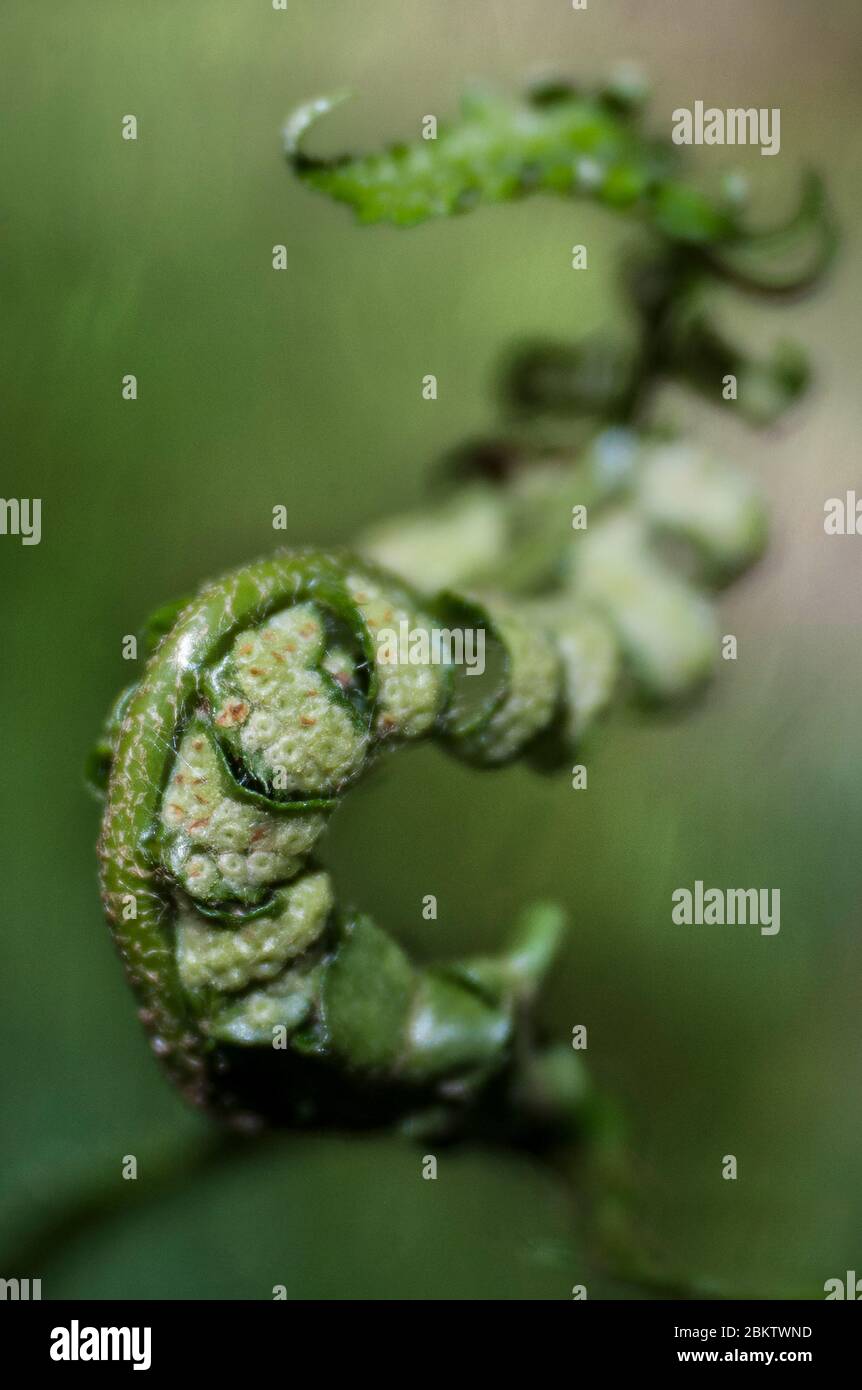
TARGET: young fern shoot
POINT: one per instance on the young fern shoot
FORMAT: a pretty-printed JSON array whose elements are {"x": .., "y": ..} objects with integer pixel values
[{"x": 268, "y": 694}]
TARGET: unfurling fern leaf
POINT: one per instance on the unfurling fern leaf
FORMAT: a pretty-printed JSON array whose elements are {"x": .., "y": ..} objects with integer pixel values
[
  {"x": 266, "y": 700},
  {"x": 268, "y": 694}
]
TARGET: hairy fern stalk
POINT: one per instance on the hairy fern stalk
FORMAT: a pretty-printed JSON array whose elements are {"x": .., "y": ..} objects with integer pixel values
[{"x": 267, "y": 695}]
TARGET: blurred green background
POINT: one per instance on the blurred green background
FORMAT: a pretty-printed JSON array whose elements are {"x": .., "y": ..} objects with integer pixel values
[{"x": 303, "y": 388}]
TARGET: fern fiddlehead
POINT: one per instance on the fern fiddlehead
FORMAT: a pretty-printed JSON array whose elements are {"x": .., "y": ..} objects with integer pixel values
[
  {"x": 268, "y": 694},
  {"x": 258, "y": 709},
  {"x": 265, "y": 701}
]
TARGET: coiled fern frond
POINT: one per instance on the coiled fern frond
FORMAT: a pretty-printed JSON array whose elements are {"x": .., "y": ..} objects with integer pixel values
[
  {"x": 269, "y": 695},
  {"x": 260, "y": 707}
]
